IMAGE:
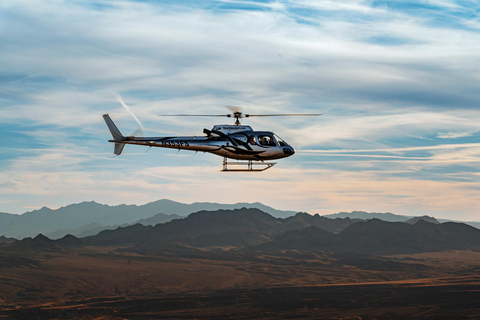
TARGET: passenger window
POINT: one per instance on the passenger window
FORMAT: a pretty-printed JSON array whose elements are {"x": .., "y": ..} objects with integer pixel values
[{"x": 265, "y": 140}]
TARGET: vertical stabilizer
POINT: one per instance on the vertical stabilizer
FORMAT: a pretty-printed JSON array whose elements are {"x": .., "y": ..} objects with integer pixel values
[
  {"x": 116, "y": 134},
  {"x": 113, "y": 128}
]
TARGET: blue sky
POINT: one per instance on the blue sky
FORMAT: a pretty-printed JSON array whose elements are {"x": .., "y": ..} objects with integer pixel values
[{"x": 397, "y": 83}]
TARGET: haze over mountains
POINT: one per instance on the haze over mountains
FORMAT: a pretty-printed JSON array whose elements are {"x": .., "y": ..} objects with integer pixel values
[
  {"x": 89, "y": 218},
  {"x": 246, "y": 230},
  {"x": 387, "y": 216},
  {"x": 252, "y": 229}
]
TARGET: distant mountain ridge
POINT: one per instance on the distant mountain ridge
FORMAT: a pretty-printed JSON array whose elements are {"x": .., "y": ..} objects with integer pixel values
[
  {"x": 89, "y": 218},
  {"x": 238, "y": 227},
  {"x": 379, "y": 237},
  {"x": 78, "y": 216},
  {"x": 248, "y": 231},
  {"x": 252, "y": 229},
  {"x": 414, "y": 220},
  {"x": 248, "y": 222},
  {"x": 388, "y": 216}
]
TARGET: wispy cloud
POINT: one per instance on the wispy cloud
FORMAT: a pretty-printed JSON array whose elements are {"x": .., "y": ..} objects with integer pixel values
[
  {"x": 434, "y": 147},
  {"x": 454, "y": 135},
  {"x": 317, "y": 190},
  {"x": 394, "y": 80}
]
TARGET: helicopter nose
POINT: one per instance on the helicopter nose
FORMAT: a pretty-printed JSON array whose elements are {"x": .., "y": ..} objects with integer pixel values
[{"x": 288, "y": 151}]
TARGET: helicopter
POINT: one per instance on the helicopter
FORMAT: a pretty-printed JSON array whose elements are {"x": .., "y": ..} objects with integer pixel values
[{"x": 237, "y": 141}]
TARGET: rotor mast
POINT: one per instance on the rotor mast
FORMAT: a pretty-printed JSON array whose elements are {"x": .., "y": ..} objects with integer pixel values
[{"x": 238, "y": 115}]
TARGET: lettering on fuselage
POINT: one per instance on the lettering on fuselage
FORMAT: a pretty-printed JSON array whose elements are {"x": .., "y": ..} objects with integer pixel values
[{"x": 179, "y": 143}]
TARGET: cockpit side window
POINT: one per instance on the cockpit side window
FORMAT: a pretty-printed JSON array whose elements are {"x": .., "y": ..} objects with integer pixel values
[
  {"x": 266, "y": 140},
  {"x": 281, "y": 142}
]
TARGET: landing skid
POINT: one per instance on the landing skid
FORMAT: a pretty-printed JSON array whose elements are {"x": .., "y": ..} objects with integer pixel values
[{"x": 249, "y": 164}]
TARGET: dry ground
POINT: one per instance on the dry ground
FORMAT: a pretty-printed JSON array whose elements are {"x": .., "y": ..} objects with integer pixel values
[{"x": 104, "y": 283}]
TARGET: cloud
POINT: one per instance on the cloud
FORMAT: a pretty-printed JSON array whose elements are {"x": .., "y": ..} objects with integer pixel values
[
  {"x": 454, "y": 135},
  {"x": 140, "y": 44},
  {"x": 435, "y": 147},
  {"x": 382, "y": 75},
  {"x": 322, "y": 191}
]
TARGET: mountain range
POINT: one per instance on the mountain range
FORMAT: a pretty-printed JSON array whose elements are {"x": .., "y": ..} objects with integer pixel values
[
  {"x": 88, "y": 218},
  {"x": 387, "y": 216},
  {"x": 377, "y": 237},
  {"x": 212, "y": 262},
  {"x": 247, "y": 231}
]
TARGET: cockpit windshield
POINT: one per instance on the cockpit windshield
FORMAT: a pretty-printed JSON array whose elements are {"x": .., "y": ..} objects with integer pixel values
[{"x": 281, "y": 142}]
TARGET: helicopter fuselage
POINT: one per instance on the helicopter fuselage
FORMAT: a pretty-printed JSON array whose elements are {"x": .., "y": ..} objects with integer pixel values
[
  {"x": 235, "y": 142},
  {"x": 245, "y": 145}
]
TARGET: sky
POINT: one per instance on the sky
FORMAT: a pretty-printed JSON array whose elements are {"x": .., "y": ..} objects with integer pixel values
[{"x": 397, "y": 83}]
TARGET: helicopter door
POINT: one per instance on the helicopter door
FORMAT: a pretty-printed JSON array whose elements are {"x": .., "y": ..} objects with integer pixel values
[{"x": 266, "y": 140}]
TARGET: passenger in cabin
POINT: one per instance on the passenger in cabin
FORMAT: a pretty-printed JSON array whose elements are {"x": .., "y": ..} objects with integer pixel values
[{"x": 266, "y": 141}]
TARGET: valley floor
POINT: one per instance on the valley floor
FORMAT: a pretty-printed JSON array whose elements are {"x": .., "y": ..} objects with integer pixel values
[{"x": 108, "y": 283}]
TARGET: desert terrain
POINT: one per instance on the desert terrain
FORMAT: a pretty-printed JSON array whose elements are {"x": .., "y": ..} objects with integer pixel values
[
  {"x": 105, "y": 283},
  {"x": 247, "y": 264}
]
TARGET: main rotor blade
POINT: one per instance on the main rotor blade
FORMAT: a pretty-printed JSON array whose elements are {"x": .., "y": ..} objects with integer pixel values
[
  {"x": 242, "y": 115},
  {"x": 194, "y": 115},
  {"x": 284, "y": 115}
]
